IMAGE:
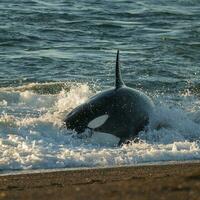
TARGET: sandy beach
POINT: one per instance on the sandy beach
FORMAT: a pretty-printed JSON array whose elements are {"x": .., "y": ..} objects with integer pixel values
[{"x": 172, "y": 181}]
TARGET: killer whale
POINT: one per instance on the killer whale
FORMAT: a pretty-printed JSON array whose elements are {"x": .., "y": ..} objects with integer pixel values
[{"x": 120, "y": 111}]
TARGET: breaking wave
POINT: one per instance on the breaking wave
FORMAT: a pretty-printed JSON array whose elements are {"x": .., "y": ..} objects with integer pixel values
[{"x": 32, "y": 135}]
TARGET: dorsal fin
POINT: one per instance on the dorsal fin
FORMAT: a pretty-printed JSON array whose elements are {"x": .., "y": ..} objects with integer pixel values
[{"x": 118, "y": 79}]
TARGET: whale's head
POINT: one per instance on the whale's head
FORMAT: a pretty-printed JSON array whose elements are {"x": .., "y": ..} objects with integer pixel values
[{"x": 91, "y": 114}]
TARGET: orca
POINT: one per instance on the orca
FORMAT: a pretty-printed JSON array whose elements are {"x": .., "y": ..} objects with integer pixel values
[{"x": 120, "y": 111}]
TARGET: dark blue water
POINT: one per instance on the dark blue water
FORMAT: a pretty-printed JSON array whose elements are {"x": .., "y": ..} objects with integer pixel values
[
  {"x": 43, "y": 41},
  {"x": 55, "y": 54}
]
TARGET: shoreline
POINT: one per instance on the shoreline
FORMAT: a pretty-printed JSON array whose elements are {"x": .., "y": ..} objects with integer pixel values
[
  {"x": 36, "y": 171},
  {"x": 167, "y": 181}
]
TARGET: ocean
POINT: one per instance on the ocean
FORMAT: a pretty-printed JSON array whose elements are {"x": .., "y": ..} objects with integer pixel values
[{"x": 54, "y": 55}]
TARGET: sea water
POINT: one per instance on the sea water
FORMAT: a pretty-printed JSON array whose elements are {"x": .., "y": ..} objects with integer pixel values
[{"x": 54, "y": 55}]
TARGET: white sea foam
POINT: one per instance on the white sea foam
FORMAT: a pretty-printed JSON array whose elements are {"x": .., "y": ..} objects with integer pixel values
[{"x": 32, "y": 137}]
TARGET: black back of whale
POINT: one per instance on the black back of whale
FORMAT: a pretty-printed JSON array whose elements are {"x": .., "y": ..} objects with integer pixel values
[{"x": 128, "y": 110}]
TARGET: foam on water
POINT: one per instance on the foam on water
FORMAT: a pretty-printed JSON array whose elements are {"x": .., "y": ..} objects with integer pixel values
[{"x": 32, "y": 135}]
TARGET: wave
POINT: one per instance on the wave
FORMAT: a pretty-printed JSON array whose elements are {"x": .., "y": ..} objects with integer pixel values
[{"x": 32, "y": 135}]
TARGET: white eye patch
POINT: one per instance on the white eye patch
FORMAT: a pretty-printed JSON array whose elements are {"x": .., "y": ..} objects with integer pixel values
[{"x": 98, "y": 121}]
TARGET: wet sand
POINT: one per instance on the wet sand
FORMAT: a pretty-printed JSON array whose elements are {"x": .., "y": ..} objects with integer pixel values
[{"x": 173, "y": 181}]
